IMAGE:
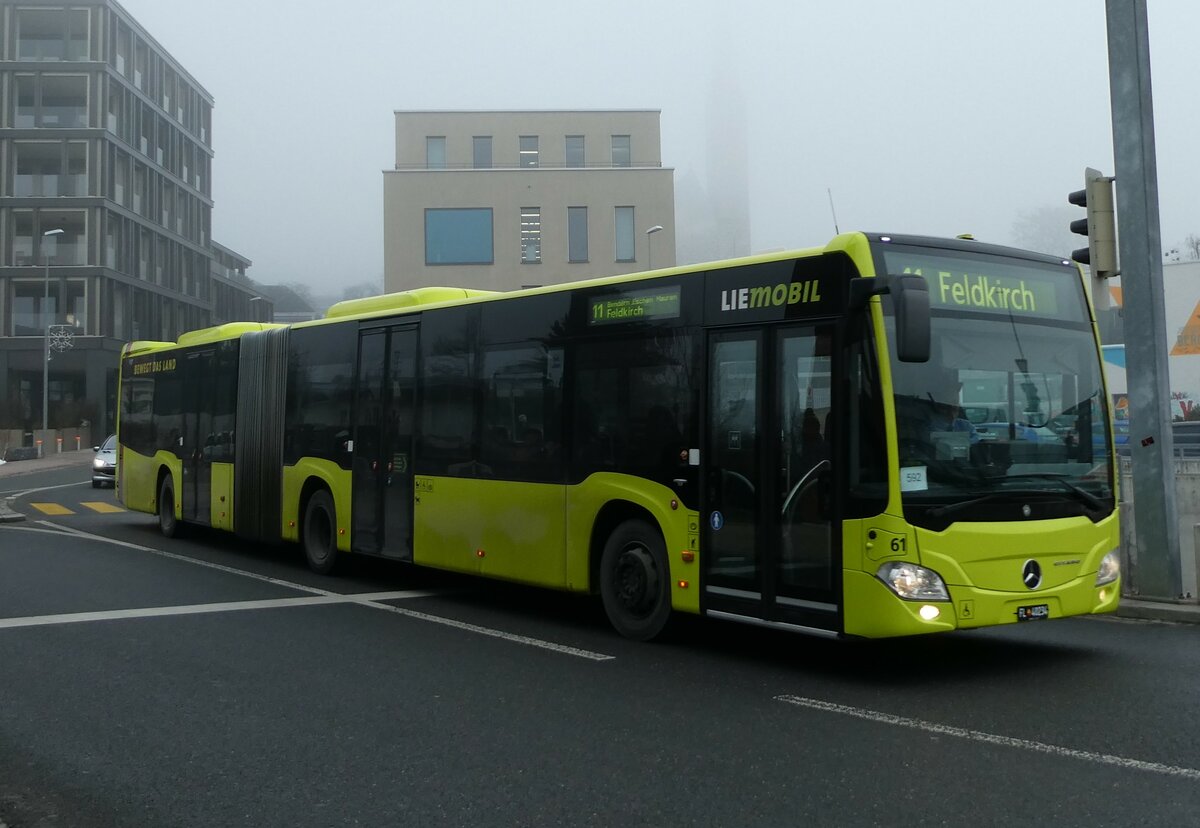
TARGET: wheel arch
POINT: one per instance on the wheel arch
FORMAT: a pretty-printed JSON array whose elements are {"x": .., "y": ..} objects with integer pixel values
[{"x": 611, "y": 515}]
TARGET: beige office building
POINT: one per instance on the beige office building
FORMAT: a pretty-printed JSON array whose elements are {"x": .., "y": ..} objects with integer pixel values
[{"x": 502, "y": 200}]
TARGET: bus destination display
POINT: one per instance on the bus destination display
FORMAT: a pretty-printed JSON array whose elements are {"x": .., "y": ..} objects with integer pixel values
[{"x": 632, "y": 306}]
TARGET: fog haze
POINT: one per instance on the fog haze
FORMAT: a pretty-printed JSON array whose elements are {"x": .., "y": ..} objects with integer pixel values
[{"x": 931, "y": 117}]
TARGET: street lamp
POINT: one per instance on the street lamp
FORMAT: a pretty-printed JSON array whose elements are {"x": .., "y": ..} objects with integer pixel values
[
  {"x": 46, "y": 348},
  {"x": 650, "y": 246}
]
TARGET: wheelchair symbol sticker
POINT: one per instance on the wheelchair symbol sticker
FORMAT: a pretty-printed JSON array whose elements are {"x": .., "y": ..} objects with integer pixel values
[{"x": 716, "y": 521}]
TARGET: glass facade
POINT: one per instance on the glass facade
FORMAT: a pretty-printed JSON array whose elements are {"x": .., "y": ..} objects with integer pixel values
[
  {"x": 528, "y": 151},
  {"x": 622, "y": 156},
  {"x": 134, "y": 202},
  {"x": 458, "y": 236},
  {"x": 435, "y": 152},
  {"x": 481, "y": 152},
  {"x": 625, "y": 247},
  {"x": 577, "y": 234},
  {"x": 575, "y": 156},
  {"x": 531, "y": 235}
]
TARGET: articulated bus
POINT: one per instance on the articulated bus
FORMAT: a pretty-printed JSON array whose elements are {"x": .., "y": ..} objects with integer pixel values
[{"x": 885, "y": 436}]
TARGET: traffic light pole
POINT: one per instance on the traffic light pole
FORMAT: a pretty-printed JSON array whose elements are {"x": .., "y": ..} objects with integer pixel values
[{"x": 1158, "y": 574}]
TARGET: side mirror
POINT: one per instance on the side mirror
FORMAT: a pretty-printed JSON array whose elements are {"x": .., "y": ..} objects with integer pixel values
[
  {"x": 910, "y": 297},
  {"x": 95, "y": 448}
]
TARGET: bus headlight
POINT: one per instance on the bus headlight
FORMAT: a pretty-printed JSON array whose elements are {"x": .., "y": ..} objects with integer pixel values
[
  {"x": 1110, "y": 568},
  {"x": 912, "y": 582}
]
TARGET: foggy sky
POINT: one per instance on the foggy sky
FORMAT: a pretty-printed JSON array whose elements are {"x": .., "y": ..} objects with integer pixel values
[{"x": 938, "y": 117}]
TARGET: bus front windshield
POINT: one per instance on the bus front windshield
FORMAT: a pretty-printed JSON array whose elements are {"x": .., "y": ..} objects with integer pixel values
[{"x": 1010, "y": 407}]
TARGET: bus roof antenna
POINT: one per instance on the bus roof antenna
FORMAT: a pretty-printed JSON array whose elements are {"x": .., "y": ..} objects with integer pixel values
[{"x": 836, "y": 231}]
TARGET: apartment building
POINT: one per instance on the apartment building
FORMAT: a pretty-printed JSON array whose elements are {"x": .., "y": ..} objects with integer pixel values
[
  {"x": 505, "y": 199},
  {"x": 106, "y": 159}
]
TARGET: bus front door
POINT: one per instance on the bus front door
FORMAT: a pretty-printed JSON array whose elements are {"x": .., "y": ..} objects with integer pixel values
[
  {"x": 770, "y": 537},
  {"x": 383, "y": 417}
]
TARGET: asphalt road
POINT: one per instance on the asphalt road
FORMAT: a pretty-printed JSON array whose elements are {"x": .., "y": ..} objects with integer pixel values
[{"x": 206, "y": 682}]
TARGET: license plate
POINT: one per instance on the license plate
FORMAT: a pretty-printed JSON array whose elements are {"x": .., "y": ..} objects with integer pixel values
[{"x": 1036, "y": 612}]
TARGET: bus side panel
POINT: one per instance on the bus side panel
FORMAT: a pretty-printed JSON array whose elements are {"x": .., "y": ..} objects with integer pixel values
[
  {"x": 680, "y": 528},
  {"x": 221, "y": 501},
  {"x": 139, "y": 481},
  {"x": 512, "y": 531},
  {"x": 335, "y": 478}
]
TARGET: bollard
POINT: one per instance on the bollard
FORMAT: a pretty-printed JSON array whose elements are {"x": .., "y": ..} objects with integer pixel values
[
  {"x": 39, "y": 447},
  {"x": 58, "y": 448},
  {"x": 77, "y": 439}
]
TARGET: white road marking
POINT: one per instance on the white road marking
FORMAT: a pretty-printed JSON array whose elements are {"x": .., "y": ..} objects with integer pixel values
[
  {"x": 192, "y": 609},
  {"x": 319, "y": 596},
  {"x": 991, "y": 738}
]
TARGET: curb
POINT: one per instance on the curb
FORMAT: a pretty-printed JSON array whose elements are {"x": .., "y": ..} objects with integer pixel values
[{"x": 1159, "y": 611}]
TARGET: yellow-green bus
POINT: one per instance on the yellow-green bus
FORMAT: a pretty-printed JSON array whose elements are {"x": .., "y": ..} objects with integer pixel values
[{"x": 886, "y": 436}]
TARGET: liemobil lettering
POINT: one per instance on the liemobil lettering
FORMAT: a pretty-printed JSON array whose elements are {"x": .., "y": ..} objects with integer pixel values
[
  {"x": 985, "y": 292},
  {"x": 771, "y": 295}
]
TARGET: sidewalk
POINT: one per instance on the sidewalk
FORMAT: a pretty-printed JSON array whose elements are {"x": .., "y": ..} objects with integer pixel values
[{"x": 82, "y": 458}]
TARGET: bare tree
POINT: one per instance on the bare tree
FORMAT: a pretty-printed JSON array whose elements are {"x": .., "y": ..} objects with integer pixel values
[
  {"x": 368, "y": 287},
  {"x": 1048, "y": 230}
]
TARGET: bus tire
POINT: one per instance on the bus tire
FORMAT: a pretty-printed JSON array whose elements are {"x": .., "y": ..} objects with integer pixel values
[
  {"x": 168, "y": 524},
  {"x": 320, "y": 533},
  {"x": 635, "y": 581}
]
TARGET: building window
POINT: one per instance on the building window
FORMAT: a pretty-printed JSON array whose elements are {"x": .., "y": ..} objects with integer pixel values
[
  {"x": 574, "y": 150},
  {"x": 531, "y": 235},
  {"x": 624, "y": 235},
  {"x": 529, "y": 151},
  {"x": 621, "y": 156},
  {"x": 458, "y": 236},
  {"x": 577, "y": 234},
  {"x": 67, "y": 305},
  {"x": 52, "y": 34},
  {"x": 52, "y": 101},
  {"x": 482, "y": 152},
  {"x": 30, "y": 247},
  {"x": 45, "y": 168},
  {"x": 435, "y": 152}
]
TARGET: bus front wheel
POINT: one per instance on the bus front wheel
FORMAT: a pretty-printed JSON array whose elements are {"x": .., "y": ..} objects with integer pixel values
[
  {"x": 320, "y": 533},
  {"x": 635, "y": 582},
  {"x": 168, "y": 524}
]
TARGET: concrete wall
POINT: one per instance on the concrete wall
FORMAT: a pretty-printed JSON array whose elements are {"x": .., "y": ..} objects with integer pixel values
[{"x": 1187, "y": 498}]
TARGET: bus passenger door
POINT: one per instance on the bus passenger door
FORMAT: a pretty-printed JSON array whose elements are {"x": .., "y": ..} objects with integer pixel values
[
  {"x": 383, "y": 417},
  {"x": 398, "y": 443},
  {"x": 198, "y": 404},
  {"x": 769, "y": 535},
  {"x": 368, "y": 466}
]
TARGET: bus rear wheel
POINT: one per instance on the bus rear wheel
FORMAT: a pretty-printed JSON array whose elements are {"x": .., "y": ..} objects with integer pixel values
[
  {"x": 320, "y": 533},
  {"x": 168, "y": 524},
  {"x": 635, "y": 581}
]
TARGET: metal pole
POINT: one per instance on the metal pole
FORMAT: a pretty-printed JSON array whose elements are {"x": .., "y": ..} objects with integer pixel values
[
  {"x": 46, "y": 344},
  {"x": 1156, "y": 526}
]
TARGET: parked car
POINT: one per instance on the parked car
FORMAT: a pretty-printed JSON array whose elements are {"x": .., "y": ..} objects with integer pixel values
[{"x": 104, "y": 467}]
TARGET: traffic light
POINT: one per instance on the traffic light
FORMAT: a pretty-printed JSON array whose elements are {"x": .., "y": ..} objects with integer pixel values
[{"x": 1100, "y": 226}]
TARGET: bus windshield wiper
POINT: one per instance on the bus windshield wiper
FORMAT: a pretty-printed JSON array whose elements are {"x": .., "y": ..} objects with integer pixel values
[
  {"x": 1083, "y": 494},
  {"x": 950, "y": 508}
]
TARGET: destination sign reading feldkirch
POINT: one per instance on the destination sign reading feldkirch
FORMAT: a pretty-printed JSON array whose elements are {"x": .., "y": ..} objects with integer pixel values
[{"x": 998, "y": 294}]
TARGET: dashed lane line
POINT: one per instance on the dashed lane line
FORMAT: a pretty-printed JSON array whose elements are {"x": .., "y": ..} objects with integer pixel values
[
  {"x": 991, "y": 738},
  {"x": 371, "y": 600}
]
